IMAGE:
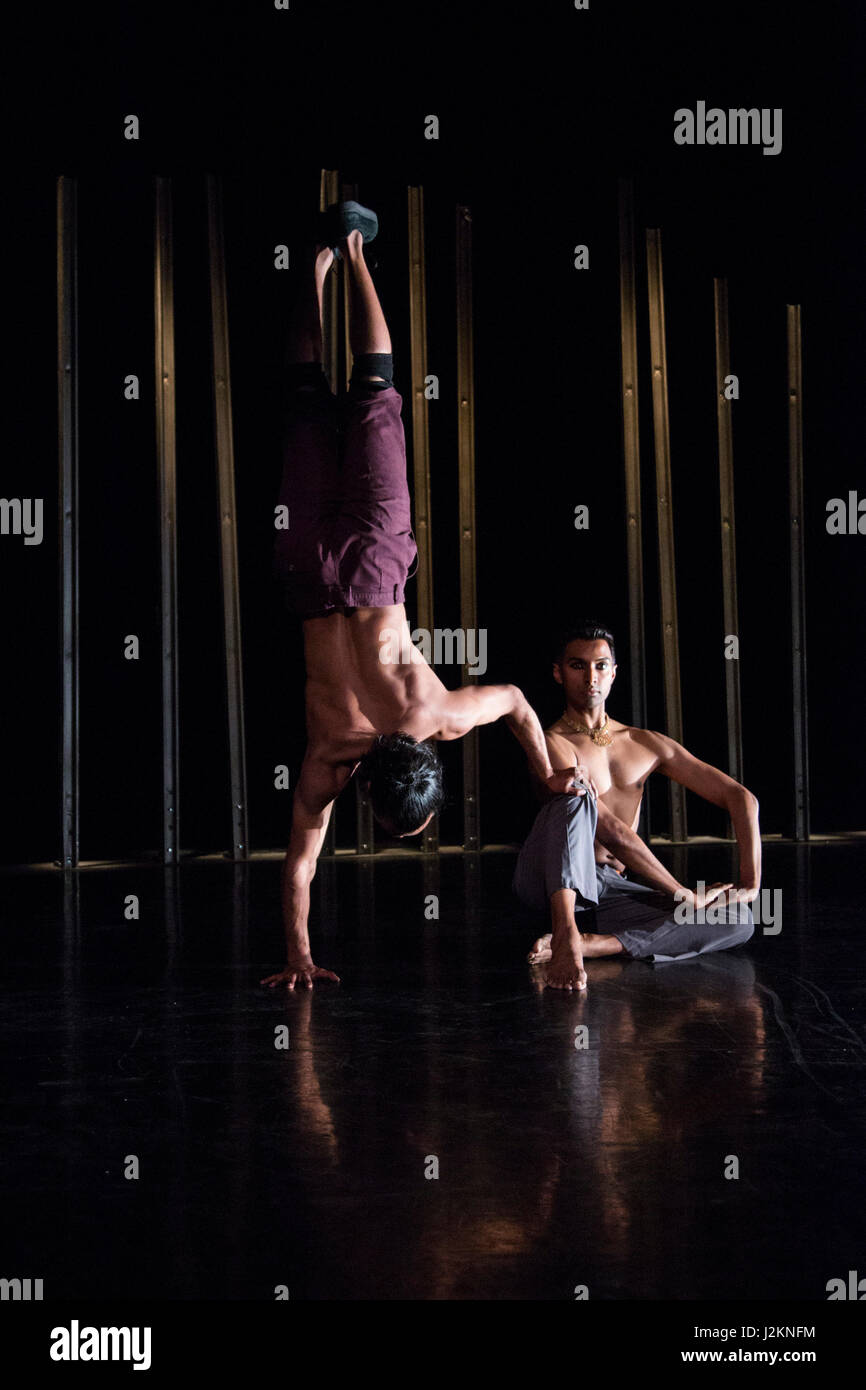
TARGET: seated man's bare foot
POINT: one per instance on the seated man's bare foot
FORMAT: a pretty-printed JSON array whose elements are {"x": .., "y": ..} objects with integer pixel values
[
  {"x": 594, "y": 944},
  {"x": 565, "y": 967},
  {"x": 540, "y": 950}
]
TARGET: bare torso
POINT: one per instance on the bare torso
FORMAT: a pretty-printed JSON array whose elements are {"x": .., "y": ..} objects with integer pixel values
[{"x": 619, "y": 771}]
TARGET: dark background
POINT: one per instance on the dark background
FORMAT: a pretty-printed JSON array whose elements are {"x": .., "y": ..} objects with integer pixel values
[{"x": 541, "y": 108}]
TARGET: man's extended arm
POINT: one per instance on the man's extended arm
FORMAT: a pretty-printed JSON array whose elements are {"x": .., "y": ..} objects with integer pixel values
[
  {"x": 715, "y": 786},
  {"x": 622, "y": 841},
  {"x": 317, "y": 787},
  {"x": 483, "y": 704}
]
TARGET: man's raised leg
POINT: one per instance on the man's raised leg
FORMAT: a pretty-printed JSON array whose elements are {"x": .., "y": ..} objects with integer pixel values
[
  {"x": 368, "y": 328},
  {"x": 309, "y": 489},
  {"x": 375, "y": 528},
  {"x": 304, "y": 334}
]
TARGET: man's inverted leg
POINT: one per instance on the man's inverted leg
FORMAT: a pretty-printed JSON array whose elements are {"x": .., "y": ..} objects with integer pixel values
[
  {"x": 374, "y": 539},
  {"x": 368, "y": 327},
  {"x": 309, "y": 489},
  {"x": 304, "y": 332}
]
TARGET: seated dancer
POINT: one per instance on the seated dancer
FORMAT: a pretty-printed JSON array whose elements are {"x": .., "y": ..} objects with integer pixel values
[
  {"x": 372, "y": 702},
  {"x": 579, "y": 849}
]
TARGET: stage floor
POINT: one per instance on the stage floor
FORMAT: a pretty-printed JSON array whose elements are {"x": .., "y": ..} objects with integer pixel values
[{"x": 305, "y": 1167}]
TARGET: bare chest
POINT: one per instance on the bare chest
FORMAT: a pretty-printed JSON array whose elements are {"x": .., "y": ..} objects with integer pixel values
[{"x": 622, "y": 766}]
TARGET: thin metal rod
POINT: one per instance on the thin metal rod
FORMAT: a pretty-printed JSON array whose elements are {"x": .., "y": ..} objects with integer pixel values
[
  {"x": 664, "y": 507},
  {"x": 347, "y": 191},
  {"x": 67, "y": 444},
  {"x": 329, "y": 186},
  {"x": 329, "y": 192},
  {"x": 421, "y": 434},
  {"x": 166, "y": 445},
  {"x": 466, "y": 475},
  {"x": 730, "y": 606},
  {"x": 800, "y": 789},
  {"x": 364, "y": 834},
  {"x": 631, "y": 451},
  {"x": 225, "y": 460}
]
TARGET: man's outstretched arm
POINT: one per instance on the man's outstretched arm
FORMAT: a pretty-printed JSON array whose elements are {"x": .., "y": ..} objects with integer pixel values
[
  {"x": 716, "y": 786},
  {"x": 484, "y": 704},
  {"x": 637, "y": 856},
  {"x": 318, "y": 785}
]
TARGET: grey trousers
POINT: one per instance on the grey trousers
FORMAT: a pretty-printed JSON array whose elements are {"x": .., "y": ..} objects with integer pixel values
[{"x": 560, "y": 853}]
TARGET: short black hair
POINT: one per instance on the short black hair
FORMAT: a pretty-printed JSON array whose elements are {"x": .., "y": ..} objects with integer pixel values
[
  {"x": 405, "y": 779},
  {"x": 584, "y": 631}
]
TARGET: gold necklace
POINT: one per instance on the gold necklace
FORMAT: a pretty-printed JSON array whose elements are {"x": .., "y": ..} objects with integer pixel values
[{"x": 600, "y": 737}]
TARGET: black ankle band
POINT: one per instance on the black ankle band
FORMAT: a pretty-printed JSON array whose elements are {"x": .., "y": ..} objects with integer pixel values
[{"x": 366, "y": 364}]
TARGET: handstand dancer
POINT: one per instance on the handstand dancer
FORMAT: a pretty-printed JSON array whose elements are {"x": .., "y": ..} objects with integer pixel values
[
  {"x": 579, "y": 849},
  {"x": 344, "y": 561}
]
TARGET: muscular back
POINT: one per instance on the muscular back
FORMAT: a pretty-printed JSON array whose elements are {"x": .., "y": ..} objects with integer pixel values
[{"x": 352, "y": 694}]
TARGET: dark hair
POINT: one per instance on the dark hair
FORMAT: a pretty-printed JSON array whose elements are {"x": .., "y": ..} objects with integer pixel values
[
  {"x": 583, "y": 631},
  {"x": 405, "y": 780}
]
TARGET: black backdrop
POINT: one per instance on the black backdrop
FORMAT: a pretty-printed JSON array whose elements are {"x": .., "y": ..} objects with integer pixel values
[{"x": 540, "y": 109}]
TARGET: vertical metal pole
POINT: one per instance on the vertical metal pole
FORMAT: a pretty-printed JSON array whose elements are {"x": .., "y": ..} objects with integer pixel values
[
  {"x": 421, "y": 435},
  {"x": 800, "y": 807},
  {"x": 166, "y": 442},
  {"x": 667, "y": 568},
  {"x": 347, "y": 191},
  {"x": 631, "y": 451},
  {"x": 730, "y": 606},
  {"x": 227, "y": 517},
  {"x": 329, "y": 186},
  {"x": 67, "y": 443},
  {"x": 631, "y": 460},
  {"x": 364, "y": 835},
  {"x": 466, "y": 473},
  {"x": 329, "y": 192}
]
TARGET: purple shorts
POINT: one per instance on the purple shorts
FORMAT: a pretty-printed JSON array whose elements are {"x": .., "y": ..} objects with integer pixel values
[{"x": 349, "y": 541}]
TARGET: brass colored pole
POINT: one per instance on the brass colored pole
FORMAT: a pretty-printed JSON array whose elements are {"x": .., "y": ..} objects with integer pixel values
[
  {"x": 67, "y": 443},
  {"x": 166, "y": 445},
  {"x": 364, "y": 832},
  {"x": 800, "y": 806},
  {"x": 664, "y": 504},
  {"x": 421, "y": 435},
  {"x": 730, "y": 606},
  {"x": 329, "y": 189},
  {"x": 225, "y": 458},
  {"x": 466, "y": 475},
  {"x": 631, "y": 452}
]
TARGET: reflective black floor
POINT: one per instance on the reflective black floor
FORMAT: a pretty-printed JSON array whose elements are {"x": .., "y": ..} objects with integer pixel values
[{"x": 558, "y": 1165}]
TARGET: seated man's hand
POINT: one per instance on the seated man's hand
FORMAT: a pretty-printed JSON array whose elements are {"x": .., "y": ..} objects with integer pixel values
[
  {"x": 744, "y": 893},
  {"x": 301, "y": 972},
  {"x": 703, "y": 898}
]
